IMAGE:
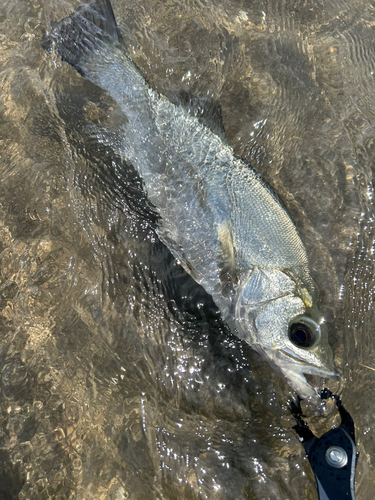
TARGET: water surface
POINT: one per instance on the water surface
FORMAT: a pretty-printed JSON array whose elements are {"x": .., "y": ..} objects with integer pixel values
[{"x": 118, "y": 378}]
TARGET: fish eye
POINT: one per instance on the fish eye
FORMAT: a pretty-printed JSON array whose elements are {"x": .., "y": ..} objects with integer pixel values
[{"x": 304, "y": 332}]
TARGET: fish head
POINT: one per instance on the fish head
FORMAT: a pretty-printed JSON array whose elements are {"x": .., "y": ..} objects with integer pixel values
[{"x": 278, "y": 318}]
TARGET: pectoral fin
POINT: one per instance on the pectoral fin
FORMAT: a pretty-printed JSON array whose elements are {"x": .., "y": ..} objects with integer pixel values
[{"x": 228, "y": 263}]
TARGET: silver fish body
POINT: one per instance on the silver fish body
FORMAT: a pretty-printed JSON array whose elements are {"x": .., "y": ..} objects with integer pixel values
[{"x": 218, "y": 218}]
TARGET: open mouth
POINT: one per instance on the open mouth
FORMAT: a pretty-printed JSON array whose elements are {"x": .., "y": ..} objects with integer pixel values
[
  {"x": 307, "y": 381},
  {"x": 319, "y": 381}
]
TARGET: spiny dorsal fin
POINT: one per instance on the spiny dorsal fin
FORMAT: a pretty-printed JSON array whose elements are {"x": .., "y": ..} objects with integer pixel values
[
  {"x": 76, "y": 36},
  {"x": 206, "y": 109}
]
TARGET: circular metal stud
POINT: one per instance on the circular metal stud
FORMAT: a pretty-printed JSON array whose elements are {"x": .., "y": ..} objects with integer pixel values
[{"x": 336, "y": 457}]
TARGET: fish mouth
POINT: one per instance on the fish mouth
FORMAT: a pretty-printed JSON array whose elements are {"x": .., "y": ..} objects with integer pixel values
[{"x": 307, "y": 380}]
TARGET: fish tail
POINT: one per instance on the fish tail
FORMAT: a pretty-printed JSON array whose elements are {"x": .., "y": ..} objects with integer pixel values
[{"x": 74, "y": 38}]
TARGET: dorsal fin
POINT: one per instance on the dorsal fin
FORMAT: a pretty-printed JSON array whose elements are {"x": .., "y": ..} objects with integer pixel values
[{"x": 206, "y": 109}]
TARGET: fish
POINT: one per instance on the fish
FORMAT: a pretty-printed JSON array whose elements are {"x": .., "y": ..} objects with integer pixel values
[{"x": 219, "y": 219}]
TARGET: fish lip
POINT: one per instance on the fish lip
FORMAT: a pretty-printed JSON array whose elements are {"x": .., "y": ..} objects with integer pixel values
[
  {"x": 294, "y": 371},
  {"x": 295, "y": 375}
]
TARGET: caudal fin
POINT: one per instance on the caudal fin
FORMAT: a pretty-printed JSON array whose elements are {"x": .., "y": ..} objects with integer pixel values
[{"x": 78, "y": 35}]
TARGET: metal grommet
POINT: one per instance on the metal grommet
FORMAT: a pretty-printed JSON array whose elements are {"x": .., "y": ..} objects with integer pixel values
[{"x": 336, "y": 457}]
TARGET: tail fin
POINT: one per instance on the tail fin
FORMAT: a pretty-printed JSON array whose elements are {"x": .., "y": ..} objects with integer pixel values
[{"x": 76, "y": 36}]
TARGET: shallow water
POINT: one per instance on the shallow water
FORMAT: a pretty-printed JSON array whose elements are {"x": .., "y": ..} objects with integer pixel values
[{"x": 118, "y": 378}]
